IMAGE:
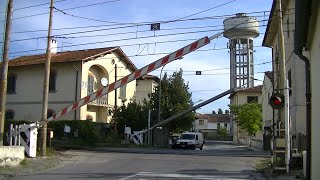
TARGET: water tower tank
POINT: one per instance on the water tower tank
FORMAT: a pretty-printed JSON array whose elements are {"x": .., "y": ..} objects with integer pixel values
[
  {"x": 241, "y": 26},
  {"x": 241, "y": 30}
]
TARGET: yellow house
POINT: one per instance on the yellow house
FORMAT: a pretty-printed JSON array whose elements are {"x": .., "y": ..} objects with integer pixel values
[
  {"x": 73, "y": 75},
  {"x": 145, "y": 86},
  {"x": 239, "y": 97}
]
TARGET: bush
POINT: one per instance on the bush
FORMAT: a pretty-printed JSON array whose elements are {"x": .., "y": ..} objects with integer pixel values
[
  {"x": 222, "y": 131},
  {"x": 87, "y": 130}
]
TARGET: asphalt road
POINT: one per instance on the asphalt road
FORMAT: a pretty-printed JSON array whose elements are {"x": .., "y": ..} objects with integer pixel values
[{"x": 218, "y": 160}]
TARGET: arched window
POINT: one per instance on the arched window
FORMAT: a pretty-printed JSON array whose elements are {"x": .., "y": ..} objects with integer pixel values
[
  {"x": 11, "y": 83},
  {"x": 50, "y": 112},
  {"x": 9, "y": 114},
  {"x": 92, "y": 84},
  {"x": 53, "y": 81},
  {"x": 89, "y": 117}
]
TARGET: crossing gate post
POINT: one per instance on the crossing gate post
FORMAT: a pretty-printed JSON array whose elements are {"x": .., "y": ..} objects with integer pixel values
[{"x": 28, "y": 138}]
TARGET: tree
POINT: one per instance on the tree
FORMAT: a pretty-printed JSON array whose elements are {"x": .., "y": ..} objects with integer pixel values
[
  {"x": 175, "y": 98},
  {"x": 248, "y": 116},
  {"x": 133, "y": 115},
  {"x": 222, "y": 131},
  {"x": 220, "y": 111},
  {"x": 226, "y": 111},
  {"x": 214, "y": 112}
]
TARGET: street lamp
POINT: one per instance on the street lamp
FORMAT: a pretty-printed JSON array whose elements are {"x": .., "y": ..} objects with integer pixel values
[
  {"x": 159, "y": 101},
  {"x": 198, "y": 101}
]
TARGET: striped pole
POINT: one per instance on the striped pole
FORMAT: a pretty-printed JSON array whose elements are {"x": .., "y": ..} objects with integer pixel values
[{"x": 155, "y": 65}]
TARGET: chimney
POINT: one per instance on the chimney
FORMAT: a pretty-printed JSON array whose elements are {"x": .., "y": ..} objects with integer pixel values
[{"x": 54, "y": 46}]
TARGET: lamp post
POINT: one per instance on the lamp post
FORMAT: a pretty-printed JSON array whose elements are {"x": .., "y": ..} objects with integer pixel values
[
  {"x": 159, "y": 101},
  {"x": 198, "y": 101}
]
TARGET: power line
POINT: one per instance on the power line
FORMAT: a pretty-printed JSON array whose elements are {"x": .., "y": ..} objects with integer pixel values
[
  {"x": 134, "y": 24},
  {"x": 32, "y": 6},
  {"x": 218, "y": 69},
  {"x": 39, "y": 14},
  {"x": 142, "y": 37},
  {"x": 208, "y": 9}
]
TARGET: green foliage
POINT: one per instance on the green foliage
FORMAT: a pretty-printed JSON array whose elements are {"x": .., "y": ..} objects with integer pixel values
[
  {"x": 220, "y": 111},
  {"x": 214, "y": 112},
  {"x": 133, "y": 115},
  {"x": 222, "y": 131},
  {"x": 226, "y": 111},
  {"x": 175, "y": 98},
  {"x": 87, "y": 130},
  {"x": 248, "y": 116}
]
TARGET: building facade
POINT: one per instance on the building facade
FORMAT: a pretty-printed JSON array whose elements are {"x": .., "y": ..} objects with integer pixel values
[
  {"x": 240, "y": 97},
  {"x": 294, "y": 67},
  {"x": 145, "y": 86},
  {"x": 210, "y": 123},
  {"x": 73, "y": 75}
]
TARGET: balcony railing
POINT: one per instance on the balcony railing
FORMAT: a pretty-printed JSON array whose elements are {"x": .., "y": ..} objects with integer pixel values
[{"x": 102, "y": 101}]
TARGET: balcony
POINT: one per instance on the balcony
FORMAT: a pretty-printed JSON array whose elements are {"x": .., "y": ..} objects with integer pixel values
[{"x": 102, "y": 101}]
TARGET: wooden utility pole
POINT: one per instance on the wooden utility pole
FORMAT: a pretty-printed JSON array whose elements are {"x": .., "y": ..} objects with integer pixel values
[
  {"x": 46, "y": 86},
  {"x": 4, "y": 72}
]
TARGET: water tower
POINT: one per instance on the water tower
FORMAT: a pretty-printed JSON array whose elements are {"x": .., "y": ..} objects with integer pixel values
[{"x": 240, "y": 30}]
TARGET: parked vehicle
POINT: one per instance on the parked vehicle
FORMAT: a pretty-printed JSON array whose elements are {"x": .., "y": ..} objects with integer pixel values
[{"x": 189, "y": 140}]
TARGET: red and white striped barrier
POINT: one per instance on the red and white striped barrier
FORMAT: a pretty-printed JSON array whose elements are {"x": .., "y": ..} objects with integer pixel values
[{"x": 155, "y": 65}]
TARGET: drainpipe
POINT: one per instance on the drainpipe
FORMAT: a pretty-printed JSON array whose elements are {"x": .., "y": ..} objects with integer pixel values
[
  {"x": 308, "y": 111},
  {"x": 76, "y": 92}
]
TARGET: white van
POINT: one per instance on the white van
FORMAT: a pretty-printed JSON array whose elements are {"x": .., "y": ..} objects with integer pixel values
[{"x": 190, "y": 140}]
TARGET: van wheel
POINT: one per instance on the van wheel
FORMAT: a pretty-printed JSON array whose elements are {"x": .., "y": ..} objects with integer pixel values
[{"x": 201, "y": 147}]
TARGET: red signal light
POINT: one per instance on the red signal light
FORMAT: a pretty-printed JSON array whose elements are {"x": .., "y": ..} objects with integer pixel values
[{"x": 276, "y": 101}]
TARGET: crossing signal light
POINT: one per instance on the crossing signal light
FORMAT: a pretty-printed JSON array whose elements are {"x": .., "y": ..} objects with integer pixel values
[{"x": 277, "y": 101}]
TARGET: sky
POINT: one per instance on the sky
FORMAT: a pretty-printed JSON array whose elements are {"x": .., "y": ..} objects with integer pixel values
[{"x": 87, "y": 24}]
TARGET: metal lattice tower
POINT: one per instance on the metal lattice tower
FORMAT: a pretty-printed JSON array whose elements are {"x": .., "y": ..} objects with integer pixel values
[{"x": 243, "y": 30}]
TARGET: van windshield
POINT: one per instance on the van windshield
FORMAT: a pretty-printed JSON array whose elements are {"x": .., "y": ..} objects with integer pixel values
[{"x": 187, "y": 136}]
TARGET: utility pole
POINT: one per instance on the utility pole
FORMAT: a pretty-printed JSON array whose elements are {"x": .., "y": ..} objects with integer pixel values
[
  {"x": 115, "y": 101},
  {"x": 282, "y": 140},
  {"x": 4, "y": 72},
  {"x": 46, "y": 85}
]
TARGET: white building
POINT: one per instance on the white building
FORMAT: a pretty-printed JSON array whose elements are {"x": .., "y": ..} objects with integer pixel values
[
  {"x": 295, "y": 70},
  {"x": 307, "y": 38},
  {"x": 209, "y": 123},
  {"x": 73, "y": 75}
]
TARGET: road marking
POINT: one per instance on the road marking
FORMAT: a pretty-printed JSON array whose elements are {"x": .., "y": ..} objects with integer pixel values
[
  {"x": 167, "y": 175},
  {"x": 128, "y": 177}
]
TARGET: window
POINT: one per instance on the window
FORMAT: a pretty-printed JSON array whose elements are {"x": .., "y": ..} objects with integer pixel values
[
  {"x": 9, "y": 114},
  {"x": 225, "y": 125},
  {"x": 123, "y": 92},
  {"x": 11, "y": 84},
  {"x": 290, "y": 82},
  {"x": 218, "y": 125},
  {"x": 201, "y": 122},
  {"x": 52, "y": 81},
  {"x": 50, "y": 112},
  {"x": 90, "y": 83},
  {"x": 251, "y": 99}
]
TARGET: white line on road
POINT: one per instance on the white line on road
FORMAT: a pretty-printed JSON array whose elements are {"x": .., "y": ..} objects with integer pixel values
[{"x": 152, "y": 174}]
